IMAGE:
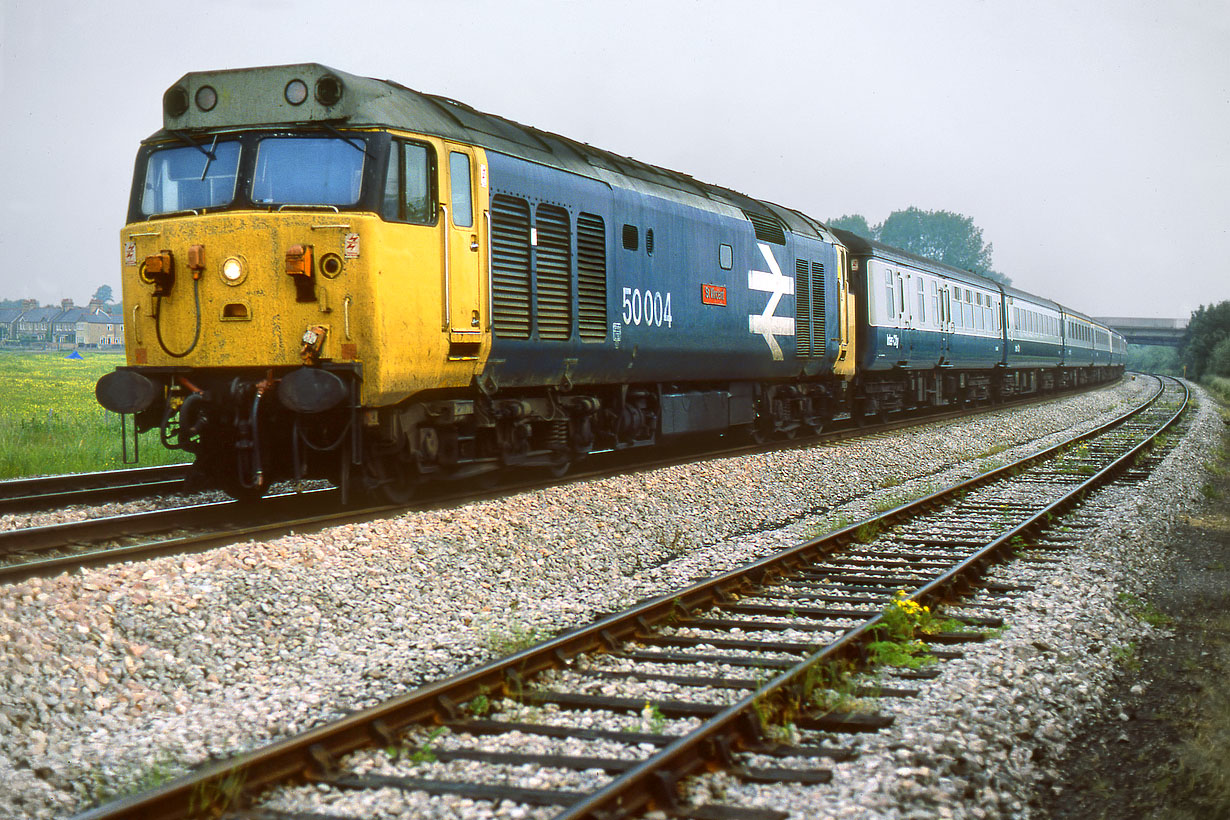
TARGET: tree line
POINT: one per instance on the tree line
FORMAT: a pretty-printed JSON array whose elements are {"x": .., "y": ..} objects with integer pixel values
[
  {"x": 1206, "y": 345},
  {"x": 104, "y": 295},
  {"x": 944, "y": 236}
]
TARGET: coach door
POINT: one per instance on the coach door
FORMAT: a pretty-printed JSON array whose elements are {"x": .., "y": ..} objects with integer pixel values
[
  {"x": 909, "y": 315},
  {"x": 464, "y": 211},
  {"x": 946, "y": 325}
]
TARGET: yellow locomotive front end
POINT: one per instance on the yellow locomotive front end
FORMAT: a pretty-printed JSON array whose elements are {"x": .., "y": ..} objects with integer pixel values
[{"x": 296, "y": 263}]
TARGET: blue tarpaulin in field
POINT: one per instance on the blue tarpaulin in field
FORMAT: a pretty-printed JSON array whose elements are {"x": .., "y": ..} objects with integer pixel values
[{"x": 74, "y": 355}]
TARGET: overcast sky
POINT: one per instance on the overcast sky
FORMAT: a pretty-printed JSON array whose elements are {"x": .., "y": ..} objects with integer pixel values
[{"x": 1089, "y": 140}]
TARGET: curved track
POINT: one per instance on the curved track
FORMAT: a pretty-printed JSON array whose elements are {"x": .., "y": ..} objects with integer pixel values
[{"x": 740, "y": 651}]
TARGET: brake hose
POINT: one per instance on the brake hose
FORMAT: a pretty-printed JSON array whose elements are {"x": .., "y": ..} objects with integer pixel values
[{"x": 196, "y": 335}]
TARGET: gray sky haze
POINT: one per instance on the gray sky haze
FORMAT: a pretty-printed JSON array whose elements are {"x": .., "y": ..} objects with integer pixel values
[{"x": 1090, "y": 141}]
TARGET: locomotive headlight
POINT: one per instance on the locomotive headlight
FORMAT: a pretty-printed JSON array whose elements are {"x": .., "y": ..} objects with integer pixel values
[{"x": 232, "y": 271}]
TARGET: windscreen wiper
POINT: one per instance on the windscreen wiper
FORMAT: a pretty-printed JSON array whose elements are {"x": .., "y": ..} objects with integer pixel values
[
  {"x": 209, "y": 153},
  {"x": 358, "y": 145},
  {"x": 187, "y": 140}
]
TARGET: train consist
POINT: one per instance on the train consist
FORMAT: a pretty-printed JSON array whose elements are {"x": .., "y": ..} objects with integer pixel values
[{"x": 337, "y": 277}]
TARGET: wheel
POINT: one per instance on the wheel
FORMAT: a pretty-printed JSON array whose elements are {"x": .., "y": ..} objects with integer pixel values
[{"x": 394, "y": 479}]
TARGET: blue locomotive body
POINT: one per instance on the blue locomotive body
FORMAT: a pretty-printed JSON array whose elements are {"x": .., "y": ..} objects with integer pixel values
[{"x": 685, "y": 287}]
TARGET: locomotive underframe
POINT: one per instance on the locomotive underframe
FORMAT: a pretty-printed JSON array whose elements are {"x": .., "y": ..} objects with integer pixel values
[{"x": 245, "y": 436}]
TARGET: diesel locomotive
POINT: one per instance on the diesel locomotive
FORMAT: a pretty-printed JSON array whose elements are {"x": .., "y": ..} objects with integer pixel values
[{"x": 330, "y": 276}]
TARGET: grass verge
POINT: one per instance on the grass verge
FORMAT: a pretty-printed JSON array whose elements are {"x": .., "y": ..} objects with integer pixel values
[{"x": 50, "y": 422}]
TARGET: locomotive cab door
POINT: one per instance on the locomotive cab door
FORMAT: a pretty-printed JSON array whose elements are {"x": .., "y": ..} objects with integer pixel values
[{"x": 464, "y": 213}]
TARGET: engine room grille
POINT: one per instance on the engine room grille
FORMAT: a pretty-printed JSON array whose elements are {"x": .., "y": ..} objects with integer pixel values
[
  {"x": 591, "y": 277},
  {"x": 554, "y": 273},
  {"x": 510, "y": 266},
  {"x": 817, "y": 307},
  {"x": 768, "y": 229},
  {"x": 802, "y": 308},
  {"x": 809, "y": 327}
]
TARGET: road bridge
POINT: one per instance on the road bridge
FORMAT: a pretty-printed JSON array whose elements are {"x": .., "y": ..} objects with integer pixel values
[{"x": 1168, "y": 332}]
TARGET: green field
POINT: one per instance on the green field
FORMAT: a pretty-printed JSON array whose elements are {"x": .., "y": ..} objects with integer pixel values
[{"x": 50, "y": 422}]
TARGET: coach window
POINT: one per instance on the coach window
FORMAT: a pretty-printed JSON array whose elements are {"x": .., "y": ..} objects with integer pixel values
[
  {"x": 891, "y": 310},
  {"x": 459, "y": 185},
  {"x": 922, "y": 302},
  {"x": 407, "y": 185},
  {"x": 726, "y": 257}
]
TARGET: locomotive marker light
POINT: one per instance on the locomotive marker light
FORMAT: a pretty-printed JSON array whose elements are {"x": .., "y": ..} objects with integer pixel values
[
  {"x": 330, "y": 265},
  {"x": 296, "y": 92},
  {"x": 206, "y": 98}
]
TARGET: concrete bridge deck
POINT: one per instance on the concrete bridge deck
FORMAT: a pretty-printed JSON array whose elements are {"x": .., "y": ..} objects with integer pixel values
[{"x": 1143, "y": 331}]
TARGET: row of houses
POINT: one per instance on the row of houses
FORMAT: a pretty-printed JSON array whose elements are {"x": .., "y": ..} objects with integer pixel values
[{"x": 63, "y": 326}]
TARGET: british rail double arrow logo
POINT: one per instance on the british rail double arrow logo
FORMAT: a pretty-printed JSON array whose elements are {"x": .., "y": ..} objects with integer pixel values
[{"x": 777, "y": 285}]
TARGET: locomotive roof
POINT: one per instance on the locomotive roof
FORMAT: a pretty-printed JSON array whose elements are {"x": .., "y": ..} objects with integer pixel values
[{"x": 259, "y": 97}]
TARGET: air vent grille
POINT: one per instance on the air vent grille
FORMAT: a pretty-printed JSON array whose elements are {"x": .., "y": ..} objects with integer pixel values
[
  {"x": 802, "y": 309},
  {"x": 591, "y": 277},
  {"x": 768, "y": 229},
  {"x": 510, "y": 266},
  {"x": 809, "y": 326},
  {"x": 554, "y": 273},
  {"x": 817, "y": 309}
]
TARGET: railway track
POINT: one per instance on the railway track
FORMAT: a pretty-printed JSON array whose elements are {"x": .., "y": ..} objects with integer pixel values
[
  {"x": 620, "y": 711},
  {"x": 44, "y": 551},
  {"x": 20, "y": 495}
]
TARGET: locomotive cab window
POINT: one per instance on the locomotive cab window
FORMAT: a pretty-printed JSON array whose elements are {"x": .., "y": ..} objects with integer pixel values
[
  {"x": 308, "y": 171},
  {"x": 184, "y": 178},
  {"x": 726, "y": 257},
  {"x": 408, "y": 192},
  {"x": 459, "y": 185}
]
